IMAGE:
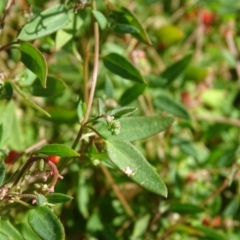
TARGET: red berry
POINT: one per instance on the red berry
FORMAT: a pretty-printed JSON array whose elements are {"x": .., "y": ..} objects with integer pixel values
[
  {"x": 54, "y": 159},
  {"x": 216, "y": 222},
  {"x": 12, "y": 157},
  {"x": 207, "y": 17}
]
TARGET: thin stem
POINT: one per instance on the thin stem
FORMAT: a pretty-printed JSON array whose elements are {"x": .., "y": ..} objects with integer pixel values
[
  {"x": 94, "y": 80},
  {"x": 26, "y": 166},
  {"x": 6, "y": 11},
  {"x": 23, "y": 203},
  {"x": 95, "y": 68},
  {"x": 116, "y": 190}
]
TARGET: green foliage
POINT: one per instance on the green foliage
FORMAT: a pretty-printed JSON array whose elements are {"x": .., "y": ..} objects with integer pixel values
[{"x": 85, "y": 154}]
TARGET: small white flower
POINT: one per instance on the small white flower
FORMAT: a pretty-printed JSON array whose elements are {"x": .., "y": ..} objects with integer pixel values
[{"x": 128, "y": 171}]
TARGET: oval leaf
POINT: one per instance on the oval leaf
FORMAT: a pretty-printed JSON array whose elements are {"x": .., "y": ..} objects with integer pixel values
[
  {"x": 122, "y": 67},
  {"x": 54, "y": 87},
  {"x": 58, "y": 198},
  {"x": 126, "y": 22},
  {"x": 138, "y": 128},
  {"x": 131, "y": 94},
  {"x": 34, "y": 61},
  {"x": 167, "y": 104},
  {"x": 128, "y": 159},
  {"x": 46, "y": 224},
  {"x": 124, "y": 111},
  {"x": 100, "y": 18},
  {"x": 8, "y": 231},
  {"x": 58, "y": 150},
  {"x": 2, "y": 172},
  {"x": 45, "y": 23},
  {"x": 185, "y": 208},
  {"x": 27, "y": 99}
]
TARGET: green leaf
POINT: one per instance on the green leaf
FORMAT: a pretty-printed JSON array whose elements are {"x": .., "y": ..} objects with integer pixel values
[
  {"x": 27, "y": 99},
  {"x": 186, "y": 146},
  {"x": 58, "y": 198},
  {"x": 126, "y": 22},
  {"x": 232, "y": 208},
  {"x": 2, "y": 172},
  {"x": 166, "y": 103},
  {"x": 41, "y": 200},
  {"x": 129, "y": 160},
  {"x": 123, "y": 111},
  {"x": 34, "y": 61},
  {"x": 185, "y": 208},
  {"x": 61, "y": 115},
  {"x": 27, "y": 232},
  {"x": 140, "y": 226},
  {"x": 131, "y": 94},
  {"x": 54, "y": 87},
  {"x": 45, "y": 23},
  {"x": 171, "y": 73},
  {"x": 138, "y": 128},
  {"x": 46, "y": 224},
  {"x": 210, "y": 234},
  {"x": 122, "y": 67},
  {"x": 58, "y": 150},
  {"x": 100, "y": 18},
  {"x": 8, "y": 231}
]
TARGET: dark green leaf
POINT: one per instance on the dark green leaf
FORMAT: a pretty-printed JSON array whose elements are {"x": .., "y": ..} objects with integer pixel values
[
  {"x": 54, "y": 87},
  {"x": 27, "y": 232},
  {"x": 131, "y": 94},
  {"x": 129, "y": 160},
  {"x": 210, "y": 234},
  {"x": 171, "y": 73},
  {"x": 8, "y": 231},
  {"x": 166, "y": 103},
  {"x": 34, "y": 61},
  {"x": 100, "y": 18},
  {"x": 137, "y": 128},
  {"x": 58, "y": 198},
  {"x": 61, "y": 115},
  {"x": 122, "y": 67},
  {"x": 27, "y": 99},
  {"x": 46, "y": 224},
  {"x": 127, "y": 22},
  {"x": 2, "y": 172},
  {"x": 124, "y": 111},
  {"x": 232, "y": 208},
  {"x": 45, "y": 23},
  {"x": 186, "y": 146},
  {"x": 185, "y": 208},
  {"x": 58, "y": 150}
]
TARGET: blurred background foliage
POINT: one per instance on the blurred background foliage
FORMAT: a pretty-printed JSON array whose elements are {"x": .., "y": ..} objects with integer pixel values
[{"x": 192, "y": 72}]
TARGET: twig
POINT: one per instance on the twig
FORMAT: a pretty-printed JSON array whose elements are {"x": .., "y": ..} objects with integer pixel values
[
  {"x": 116, "y": 190},
  {"x": 35, "y": 146},
  {"x": 6, "y": 11},
  {"x": 94, "y": 81}
]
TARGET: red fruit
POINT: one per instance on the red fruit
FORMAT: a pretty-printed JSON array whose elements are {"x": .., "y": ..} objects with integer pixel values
[
  {"x": 216, "y": 222},
  {"x": 54, "y": 159},
  {"x": 206, "y": 221},
  {"x": 12, "y": 157},
  {"x": 186, "y": 98},
  {"x": 207, "y": 17}
]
